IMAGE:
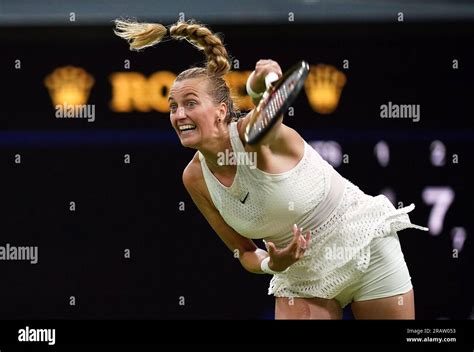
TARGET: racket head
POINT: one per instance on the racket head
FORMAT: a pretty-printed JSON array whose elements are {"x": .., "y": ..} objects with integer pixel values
[{"x": 275, "y": 102}]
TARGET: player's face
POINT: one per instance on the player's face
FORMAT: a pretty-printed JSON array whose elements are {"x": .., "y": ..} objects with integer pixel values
[{"x": 193, "y": 113}]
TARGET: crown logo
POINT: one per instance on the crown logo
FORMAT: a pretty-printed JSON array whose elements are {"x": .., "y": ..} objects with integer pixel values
[
  {"x": 236, "y": 81},
  {"x": 323, "y": 88},
  {"x": 69, "y": 85}
]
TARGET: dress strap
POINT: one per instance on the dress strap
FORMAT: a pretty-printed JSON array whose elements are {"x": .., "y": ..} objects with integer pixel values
[{"x": 235, "y": 138}]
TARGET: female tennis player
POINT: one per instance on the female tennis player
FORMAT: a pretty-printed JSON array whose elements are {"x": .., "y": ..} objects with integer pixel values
[{"x": 349, "y": 251}]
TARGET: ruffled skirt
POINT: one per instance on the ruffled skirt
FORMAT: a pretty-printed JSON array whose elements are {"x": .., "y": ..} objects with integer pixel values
[{"x": 339, "y": 251}]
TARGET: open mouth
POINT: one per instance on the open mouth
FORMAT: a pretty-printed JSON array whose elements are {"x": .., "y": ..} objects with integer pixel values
[{"x": 186, "y": 129}]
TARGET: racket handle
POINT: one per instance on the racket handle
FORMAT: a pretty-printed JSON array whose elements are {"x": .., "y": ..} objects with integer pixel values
[{"x": 270, "y": 78}]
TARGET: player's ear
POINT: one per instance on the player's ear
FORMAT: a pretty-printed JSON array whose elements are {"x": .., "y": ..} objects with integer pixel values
[{"x": 222, "y": 111}]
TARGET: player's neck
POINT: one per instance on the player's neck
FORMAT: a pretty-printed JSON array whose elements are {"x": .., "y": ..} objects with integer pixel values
[{"x": 215, "y": 153}]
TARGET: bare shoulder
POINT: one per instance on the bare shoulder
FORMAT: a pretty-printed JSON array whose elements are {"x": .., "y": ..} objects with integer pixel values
[
  {"x": 192, "y": 173},
  {"x": 193, "y": 180}
]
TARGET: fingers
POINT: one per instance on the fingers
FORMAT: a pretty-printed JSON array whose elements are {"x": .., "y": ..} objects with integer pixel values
[
  {"x": 301, "y": 247},
  {"x": 300, "y": 243},
  {"x": 296, "y": 236},
  {"x": 296, "y": 233},
  {"x": 271, "y": 249},
  {"x": 264, "y": 67},
  {"x": 308, "y": 238},
  {"x": 293, "y": 246},
  {"x": 263, "y": 62}
]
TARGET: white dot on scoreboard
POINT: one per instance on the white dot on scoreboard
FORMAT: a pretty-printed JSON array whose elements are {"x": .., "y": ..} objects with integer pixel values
[
  {"x": 438, "y": 153},
  {"x": 382, "y": 153}
]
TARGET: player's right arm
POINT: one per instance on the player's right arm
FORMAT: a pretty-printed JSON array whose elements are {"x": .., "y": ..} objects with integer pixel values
[
  {"x": 257, "y": 84},
  {"x": 248, "y": 253}
]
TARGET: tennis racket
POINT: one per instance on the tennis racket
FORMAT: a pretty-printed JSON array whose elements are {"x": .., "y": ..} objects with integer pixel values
[{"x": 276, "y": 100}]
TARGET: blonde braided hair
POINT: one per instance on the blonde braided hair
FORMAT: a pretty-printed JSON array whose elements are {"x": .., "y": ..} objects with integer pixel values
[{"x": 142, "y": 35}]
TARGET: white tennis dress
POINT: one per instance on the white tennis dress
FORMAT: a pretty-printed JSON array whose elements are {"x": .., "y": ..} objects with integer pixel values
[{"x": 343, "y": 220}]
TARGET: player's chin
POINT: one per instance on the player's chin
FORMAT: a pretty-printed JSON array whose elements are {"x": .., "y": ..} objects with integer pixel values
[{"x": 189, "y": 139}]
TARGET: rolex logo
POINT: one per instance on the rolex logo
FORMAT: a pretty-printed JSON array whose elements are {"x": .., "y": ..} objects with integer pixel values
[
  {"x": 69, "y": 85},
  {"x": 236, "y": 81},
  {"x": 323, "y": 88}
]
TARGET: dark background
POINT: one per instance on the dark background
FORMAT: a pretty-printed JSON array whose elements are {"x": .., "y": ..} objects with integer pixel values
[{"x": 136, "y": 206}]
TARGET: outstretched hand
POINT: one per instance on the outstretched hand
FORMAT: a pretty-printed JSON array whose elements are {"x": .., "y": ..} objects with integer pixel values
[
  {"x": 262, "y": 69},
  {"x": 280, "y": 259}
]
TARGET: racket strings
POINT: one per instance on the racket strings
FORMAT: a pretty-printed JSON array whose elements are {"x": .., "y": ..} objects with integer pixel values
[{"x": 276, "y": 101}]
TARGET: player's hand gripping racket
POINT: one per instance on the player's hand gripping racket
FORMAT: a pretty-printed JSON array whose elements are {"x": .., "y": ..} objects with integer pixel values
[{"x": 278, "y": 97}]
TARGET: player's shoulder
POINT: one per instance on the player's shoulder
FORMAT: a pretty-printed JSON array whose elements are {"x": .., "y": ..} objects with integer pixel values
[
  {"x": 194, "y": 182},
  {"x": 192, "y": 174}
]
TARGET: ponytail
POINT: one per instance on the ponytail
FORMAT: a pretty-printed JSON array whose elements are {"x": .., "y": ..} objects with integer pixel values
[{"x": 143, "y": 35}]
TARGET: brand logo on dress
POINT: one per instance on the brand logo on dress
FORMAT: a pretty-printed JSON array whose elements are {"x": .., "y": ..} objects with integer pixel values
[{"x": 245, "y": 198}]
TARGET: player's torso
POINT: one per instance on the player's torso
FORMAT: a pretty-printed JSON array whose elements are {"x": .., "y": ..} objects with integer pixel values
[{"x": 258, "y": 203}]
